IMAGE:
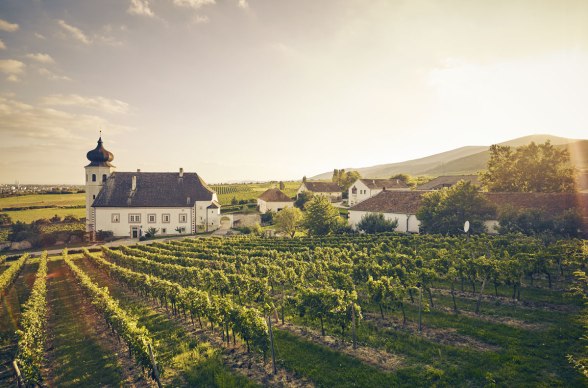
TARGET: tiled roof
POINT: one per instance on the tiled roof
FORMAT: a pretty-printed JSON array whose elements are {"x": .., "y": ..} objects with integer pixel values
[
  {"x": 447, "y": 181},
  {"x": 322, "y": 187},
  {"x": 274, "y": 195},
  {"x": 384, "y": 183},
  {"x": 154, "y": 189},
  {"x": 408, "y": 202},
  {"x": 398, "y": 201}
]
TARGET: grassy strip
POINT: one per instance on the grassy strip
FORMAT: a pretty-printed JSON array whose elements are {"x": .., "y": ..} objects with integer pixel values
[
  {"x": 31, "y": 341},
  {"x": 11, "y": 273},
  {"x": 189, "y": 363}
]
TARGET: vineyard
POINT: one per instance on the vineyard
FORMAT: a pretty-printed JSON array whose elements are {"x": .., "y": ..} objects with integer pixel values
[
  {"x": 249, "y": 192},
  {"x": 379, "y": 310}
]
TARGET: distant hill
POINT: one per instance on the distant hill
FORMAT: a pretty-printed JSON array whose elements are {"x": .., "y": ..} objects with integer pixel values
[{"x": 466, "y": 160}]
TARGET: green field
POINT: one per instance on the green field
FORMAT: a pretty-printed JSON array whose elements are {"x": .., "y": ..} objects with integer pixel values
[
  {"x": 31, "y": 215},
  {"x": 54, "y": 200},
  {"x": 250, "y": 191}
]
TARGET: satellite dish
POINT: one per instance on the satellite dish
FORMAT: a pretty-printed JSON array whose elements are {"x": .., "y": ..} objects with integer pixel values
[{"x": 466, "y": 226}]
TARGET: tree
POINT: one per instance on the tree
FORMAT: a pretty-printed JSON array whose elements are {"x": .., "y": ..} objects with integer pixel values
[
  {"x": 376, "y": 223},
  {"x": 282, "y": 185},
  {"x": 302, "y": 199},
  {"x": 304, "y": 179},
  {"x": 445, "y": 211},
  {"x": 529, "y": 168},
  {"x": 321, "y": 217},
  {"x": 288, "y": 220},
  {"x": 344, "y": 179}
]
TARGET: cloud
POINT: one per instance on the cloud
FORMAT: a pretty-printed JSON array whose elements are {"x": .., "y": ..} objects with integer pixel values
[
  {"x": 40, "y": 36},
  {"x": 200, "y": 19},
  {"x": 140, "y": 7},
  {"x": 2, "y": 45},
  {"x": 196, "y": 4},
  {"x": 7, "y": 26},
  {"x": 102, "y": 104},
  {"x": 243, "y": 4},
  {"x": 75, "y": 32},
  {"x": 52, "y": 76},
  {"x": 12, "y": 68},
  {"x": 41, "y": 58},
  {"x": 19, "y": 120}
]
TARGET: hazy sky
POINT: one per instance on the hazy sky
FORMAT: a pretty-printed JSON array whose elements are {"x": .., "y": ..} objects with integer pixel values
[{"x": 278, "y": 89}]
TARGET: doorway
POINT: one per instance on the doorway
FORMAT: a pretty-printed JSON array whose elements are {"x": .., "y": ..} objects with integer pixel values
[{"x": 134, "y": 232}]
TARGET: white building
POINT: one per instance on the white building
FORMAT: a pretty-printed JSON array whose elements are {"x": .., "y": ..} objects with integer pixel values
[
  {"x": 273, "y": 200},
  {"x": 129, "y": 203},
  {"x": 326, "y": 189},
  {"x": 363, "y": 189}
]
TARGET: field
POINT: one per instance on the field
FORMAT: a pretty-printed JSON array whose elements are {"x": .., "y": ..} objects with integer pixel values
[
  {"x": 31, "y": 215},
  {"x": 250, "y": 191},
  {"x": 50, "y": 200},
  {"x": 345, "y": 311}
]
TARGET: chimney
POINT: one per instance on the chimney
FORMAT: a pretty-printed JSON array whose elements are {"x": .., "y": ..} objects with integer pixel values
[
  {"x": 181, "y": 172},
  {"x": 138, "y": 170},
  {"x": 134, "y": 183}
]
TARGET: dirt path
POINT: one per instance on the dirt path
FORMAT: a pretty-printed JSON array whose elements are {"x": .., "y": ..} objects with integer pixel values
[
  {"x": 81, "y": 350},
  {"x": 235, "y": 357}
]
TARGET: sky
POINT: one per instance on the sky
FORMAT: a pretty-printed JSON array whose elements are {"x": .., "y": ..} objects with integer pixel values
[{"x": 240, "y": 90}]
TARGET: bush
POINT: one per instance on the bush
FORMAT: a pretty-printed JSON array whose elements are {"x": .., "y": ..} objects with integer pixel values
[
  {"x": 268, "y": 217},
  {"x": 151, "y": 232},
  {"x": 104, "y": 235},
  {"x": 376, "y": 223}
]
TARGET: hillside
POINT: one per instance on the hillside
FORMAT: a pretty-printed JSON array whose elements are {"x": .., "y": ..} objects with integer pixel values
[{"x": 466, "y": 160}]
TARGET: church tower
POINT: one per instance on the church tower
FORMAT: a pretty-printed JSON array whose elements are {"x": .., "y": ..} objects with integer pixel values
[{"x": 97, "y": 172}]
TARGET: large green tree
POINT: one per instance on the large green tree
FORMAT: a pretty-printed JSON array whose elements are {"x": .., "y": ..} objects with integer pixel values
[
  {"x": 529, "y": 168},
  {"x": 445, "y": 211},
  {"x": 288, "y": 220},
  {"x": 321, "y": 217},
  {"x": 344, "y": 179}
]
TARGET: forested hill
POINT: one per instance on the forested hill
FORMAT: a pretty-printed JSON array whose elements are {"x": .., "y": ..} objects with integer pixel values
[{"x": 466, "y": 160}]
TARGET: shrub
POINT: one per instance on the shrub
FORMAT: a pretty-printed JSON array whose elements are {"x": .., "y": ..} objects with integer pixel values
[{"x": 376, "y": 223}]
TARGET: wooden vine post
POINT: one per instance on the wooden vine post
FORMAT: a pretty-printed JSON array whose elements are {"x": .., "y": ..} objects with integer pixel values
[
  {"x": 155, "y": 371},
  {"x": 353, "y": 325},
  {"x": 19, "y": 378},
  {"x": 420, "y": 309},
  {"x": 271, "y": 333}
]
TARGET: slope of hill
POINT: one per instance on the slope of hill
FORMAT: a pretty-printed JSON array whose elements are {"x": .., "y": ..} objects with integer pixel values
[{"x": 466, "y": 160}]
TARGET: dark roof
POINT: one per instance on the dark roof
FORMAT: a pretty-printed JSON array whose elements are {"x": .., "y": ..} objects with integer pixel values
[
  {"x": 154, "y": 189},
  {"x": 398, "y": 201},
  {"x": 274, "y": 195},
  {"x": 214, "y": 205},
  {"x": 384, "y": 183},
  {"x": 408, "y": 202},
  {"x": 322, "y": 187},
  {"x": 448, "y": 181},
  {"x": 99, "y": 156}
]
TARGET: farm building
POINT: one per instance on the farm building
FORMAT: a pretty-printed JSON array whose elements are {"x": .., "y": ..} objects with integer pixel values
[
  {"x": 129, "y": 203},
  {"x": 403, "y": 206},
  {"x": 363, "y": 189},
  {"x": 448, "y": 181},
  {"x": 273, "y": 200},
  {"x": 326, "y": 189}
]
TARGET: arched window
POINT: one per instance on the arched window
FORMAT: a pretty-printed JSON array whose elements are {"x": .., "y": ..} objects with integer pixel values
[
  {"x": 93, "y": 177},
  {"x": 103, "y": 178},
  {"x": 354, "y": 190}
]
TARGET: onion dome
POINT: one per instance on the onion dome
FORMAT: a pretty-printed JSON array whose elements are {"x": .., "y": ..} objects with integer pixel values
[{"x": 99, "y": 156}]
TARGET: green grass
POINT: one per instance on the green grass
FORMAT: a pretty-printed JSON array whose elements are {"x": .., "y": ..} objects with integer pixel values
[
  {"x": 186, "y": 362},
  {"x": 31, "y": 215},
  {"x": 55, "y": 200},
  {"x": 251, "y": 191},
  {"x": 78, "y": 356}
]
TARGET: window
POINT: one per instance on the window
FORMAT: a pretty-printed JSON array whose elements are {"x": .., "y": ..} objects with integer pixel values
[
  {"x": 134, "y": 218},
  {"x": 103, "y": 178},
  {"x": 93, "y": 177},
  {"x": 151, "y": 218},
  {"x": 183, "y": 218},
  {"x": 354, "y": 190},
  {"x": 165, "y": 218},
  {"x": 163, "y": 230},
  {"x": 93, "y": 197},
  {"x": 115, "y": 217}
]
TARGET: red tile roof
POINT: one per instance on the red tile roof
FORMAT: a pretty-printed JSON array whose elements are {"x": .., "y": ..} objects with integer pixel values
[{"x": 274, "y": 195}]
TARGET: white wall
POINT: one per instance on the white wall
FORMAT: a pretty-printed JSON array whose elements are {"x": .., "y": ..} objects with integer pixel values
[
  {"x": 333, "y": 197},
  {"x": 363, "y": 193},
  {"x": 92, "y": 190},
  {"x": 123, "y": 227},
  {"x": 264, "y": 206},
  {"x": 413, "y": 223}
]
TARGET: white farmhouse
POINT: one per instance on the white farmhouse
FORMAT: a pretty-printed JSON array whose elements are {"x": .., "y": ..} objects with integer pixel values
[
  {"x": 129, "y": 203},
  {"x": 326, "y": 189},
  {"x": 273, "y": 200},
  {"x": 394, "y": 205},
  {"x": 363, "y": 189}
]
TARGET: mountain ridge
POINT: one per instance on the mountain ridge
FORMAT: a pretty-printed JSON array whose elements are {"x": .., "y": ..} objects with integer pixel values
[{"x": 466, "y": 159}]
